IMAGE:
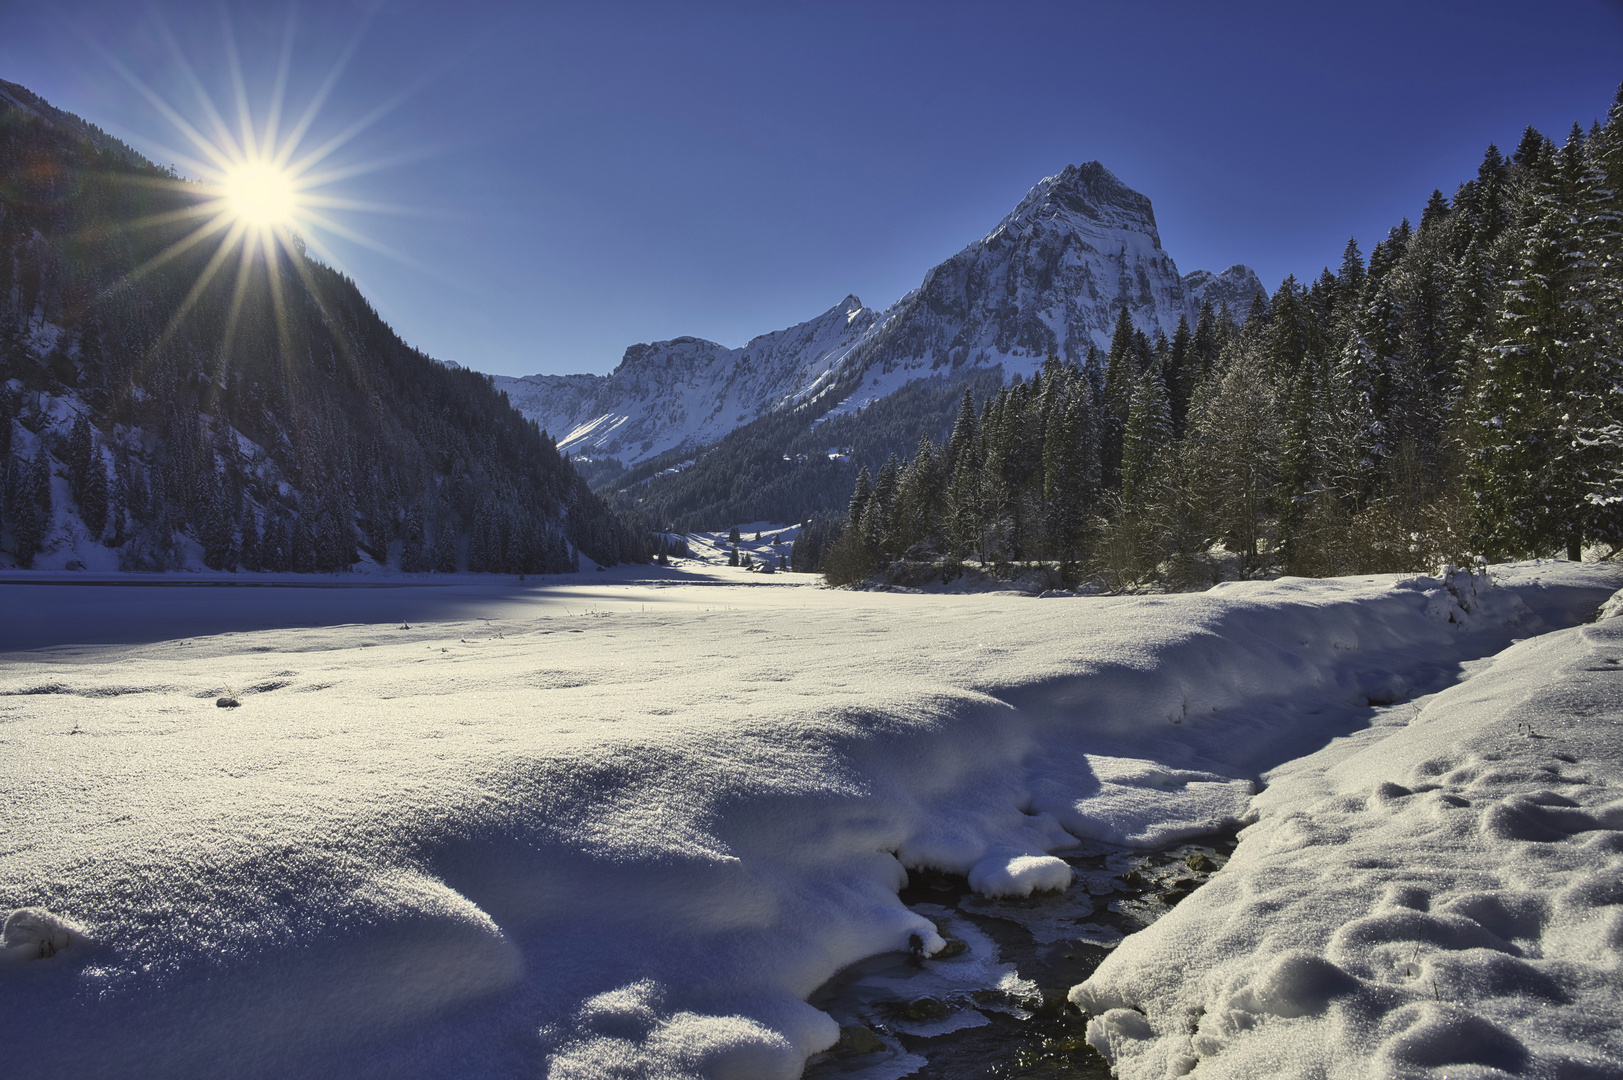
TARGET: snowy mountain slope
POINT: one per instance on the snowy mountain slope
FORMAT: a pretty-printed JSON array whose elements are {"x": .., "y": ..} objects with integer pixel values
[
  {"x": 624, "y": 829},
  {"x": 1235, "y": 289},
  {"x": 686, "y": 392},
  {"x": 1050, "y": 277}
]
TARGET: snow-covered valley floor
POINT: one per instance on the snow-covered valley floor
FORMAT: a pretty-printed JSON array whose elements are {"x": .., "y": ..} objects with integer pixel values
[{"x": 624, "y": 825}]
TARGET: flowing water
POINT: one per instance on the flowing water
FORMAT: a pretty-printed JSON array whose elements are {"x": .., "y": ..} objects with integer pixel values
[{"x": 992, "y": 1004}]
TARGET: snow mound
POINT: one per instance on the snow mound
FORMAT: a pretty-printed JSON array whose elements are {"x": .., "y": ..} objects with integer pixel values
[
  {"x": 37, "y": 934},
  {"x": 1612, "y": 608},
  {"x": 1021, "y": 875},
  {"x": 1438, "y": 895},
  {"x": 624, "y": 1030}
]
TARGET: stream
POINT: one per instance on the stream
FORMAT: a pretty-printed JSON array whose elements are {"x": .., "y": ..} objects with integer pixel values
[{"x": 992, "y": 1004}]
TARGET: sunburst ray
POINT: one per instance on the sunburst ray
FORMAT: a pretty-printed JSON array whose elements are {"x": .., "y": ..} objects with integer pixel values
[{"x": 262, "y": 188}]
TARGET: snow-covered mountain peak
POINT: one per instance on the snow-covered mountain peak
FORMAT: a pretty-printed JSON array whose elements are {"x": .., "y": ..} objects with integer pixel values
[
  {"x": 1234, "y": 288},
  {"x": 1086, "y": 199}
]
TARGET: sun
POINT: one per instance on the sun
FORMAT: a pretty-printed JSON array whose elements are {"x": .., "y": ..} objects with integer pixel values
[
  {"x": 260, "y": 195},
  {"x": 258, "y": 191}
]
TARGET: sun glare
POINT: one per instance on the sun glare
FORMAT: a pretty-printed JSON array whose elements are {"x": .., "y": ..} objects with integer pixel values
[
  {"x": 260, "y": 191},
  {"x": 259, "y": 194}
]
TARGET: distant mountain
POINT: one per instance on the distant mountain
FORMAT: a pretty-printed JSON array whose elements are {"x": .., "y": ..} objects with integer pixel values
[
  {"x": 157, "y": 415},
  {"x": 1235, "y": 289},
  {"x": 687, "y": 392},
  {"x": 1049, "y": 278}
]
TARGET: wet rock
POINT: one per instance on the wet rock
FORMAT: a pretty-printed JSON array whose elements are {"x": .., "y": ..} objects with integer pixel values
[
  {"x": 925, "y": 1008},
  {"x": 933, "y": 880},
  {"x": 1200, "y": 864},
  {"x": 953, "y": 947},
  {"x": 856, "y": 1040},
  {"x": 1054, "y": 1003},
  {"x": 1177, "y": 890}
]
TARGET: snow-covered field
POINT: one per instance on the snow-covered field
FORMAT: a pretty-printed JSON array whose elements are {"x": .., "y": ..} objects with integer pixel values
[{"x": 623, "y": 825}]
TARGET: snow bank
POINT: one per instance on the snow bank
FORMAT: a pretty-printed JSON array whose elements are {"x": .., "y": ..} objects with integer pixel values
[
  {"x": 624, "y": 831},
  {"x": 1440, "y": 895}
]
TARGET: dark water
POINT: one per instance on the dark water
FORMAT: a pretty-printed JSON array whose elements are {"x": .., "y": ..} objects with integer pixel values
[{"x": 997, "y": 1007}]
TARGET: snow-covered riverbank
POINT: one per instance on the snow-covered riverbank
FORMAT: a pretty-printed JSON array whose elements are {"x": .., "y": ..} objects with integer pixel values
[
  {"x": 622, "y": 828},
  {"x": 1440, "y": 895}
]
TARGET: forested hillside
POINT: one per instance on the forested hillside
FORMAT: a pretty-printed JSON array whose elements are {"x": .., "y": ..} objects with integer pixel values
[
  {"x": 1456, "y": 394},
  {"x": 166, "y": 399},
  {"x": 790, "y": 465}
]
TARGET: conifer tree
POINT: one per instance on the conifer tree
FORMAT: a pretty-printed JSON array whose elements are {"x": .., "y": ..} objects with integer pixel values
[
  {"x": 250, "y": 545},
  {"x": 1120, "y": 376},
  {"x": 1147, "y": 436},
  {"x": 301, "y": 556},
  {"x": 878, "y": 525},
  {"x": 481, "y": 541},
  {"x": 858, "y": 505},
  {"x": 414, "y": 557},
  {"x": 219, "y": 543},
  {"x": 30, "y": 506},
  {"x": 80, "y": 450},
  {"x": 1596, "y": 405},
  {"x": 1530, "y": 498},
  {"x": 1436, "y": 211},
  {"x": 918, "y": 497},
  {"x": 961, "y": 443},
  {"x": 1070, "y": 471},
  {"x": 445, "y": 554},
  {"x": 1207, "y": 342},
  {"x": 93, "y": 495},
  {"x": 1349, "y": 286},
  {"x": 1181, "y": 374},
  {"x": 274, "y": 551},
  {"x": 1239, "y": 437}
]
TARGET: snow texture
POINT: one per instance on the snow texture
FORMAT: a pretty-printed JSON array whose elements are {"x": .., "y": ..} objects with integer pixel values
[
  {"x": 625, "y": 828},
  {"x": 1438, "y": 895},
  {"x": 1049, "y": 278}
]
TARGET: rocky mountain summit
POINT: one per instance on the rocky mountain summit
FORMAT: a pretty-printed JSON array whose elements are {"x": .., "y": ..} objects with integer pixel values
[{"x": 1049, "y": 278}]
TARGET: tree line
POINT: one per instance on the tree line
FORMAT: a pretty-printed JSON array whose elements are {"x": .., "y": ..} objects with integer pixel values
[{"x": 1458, "y": 393}]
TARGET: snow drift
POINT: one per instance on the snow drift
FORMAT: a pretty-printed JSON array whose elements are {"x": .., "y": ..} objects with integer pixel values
[
  {"x": 1437, "y": 895},
  {"x": 625, "y": 830}
]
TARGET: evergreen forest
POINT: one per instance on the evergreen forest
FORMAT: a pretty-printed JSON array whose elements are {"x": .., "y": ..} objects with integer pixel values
[{"x": 1457, "y": 394}]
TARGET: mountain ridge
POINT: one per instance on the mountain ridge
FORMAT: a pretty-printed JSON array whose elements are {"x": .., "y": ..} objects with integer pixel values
[{"x": 1048, "y": 278}]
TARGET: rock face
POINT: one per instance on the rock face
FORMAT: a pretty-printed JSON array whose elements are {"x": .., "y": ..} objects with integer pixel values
[
  {"x": 1234, "y": 288},
  {"x": 688, "y": 391},
  {"x": 1049, "y": 278}
]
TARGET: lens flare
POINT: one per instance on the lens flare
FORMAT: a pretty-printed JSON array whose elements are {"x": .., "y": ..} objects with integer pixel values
[
  {"x": 257, "y": 190},
  {"x": 259, "y": 194}
]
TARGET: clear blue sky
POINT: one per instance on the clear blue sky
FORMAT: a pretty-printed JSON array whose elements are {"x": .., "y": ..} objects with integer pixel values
[{"x": 583, "y": 176}]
